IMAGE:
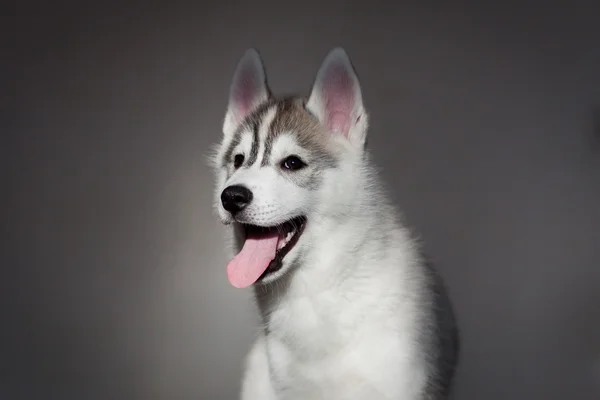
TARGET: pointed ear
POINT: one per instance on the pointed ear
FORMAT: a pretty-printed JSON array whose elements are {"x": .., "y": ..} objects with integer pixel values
[
  {"x": 336, "y": 98},
  {"x": 248, "y": 90}
]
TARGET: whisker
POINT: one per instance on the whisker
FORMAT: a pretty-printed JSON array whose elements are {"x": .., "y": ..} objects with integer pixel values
[{"x": 280, "y": 230}]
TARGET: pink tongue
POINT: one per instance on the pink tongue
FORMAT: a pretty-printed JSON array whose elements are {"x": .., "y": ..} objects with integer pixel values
[{"x": 253, "y": 260}]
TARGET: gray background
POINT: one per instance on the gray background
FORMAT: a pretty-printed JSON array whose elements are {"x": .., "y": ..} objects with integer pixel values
[{"x": 113, "y": 276}]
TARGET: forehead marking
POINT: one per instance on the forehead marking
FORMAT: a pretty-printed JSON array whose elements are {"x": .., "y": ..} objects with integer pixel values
[
  {"x": 272, "y": 118},
  {"x": 264, "y": 132},
  {"x": 286, "y": 119},
  {"x": 254, "y": 148},
  {"x": 250, "y": 123}
]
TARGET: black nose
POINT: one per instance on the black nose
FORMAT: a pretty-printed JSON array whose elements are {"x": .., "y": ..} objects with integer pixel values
[{"x": 235, "y": 198}]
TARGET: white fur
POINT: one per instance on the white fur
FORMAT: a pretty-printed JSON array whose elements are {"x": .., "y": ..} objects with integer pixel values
[{"x": 347, "y": 323}]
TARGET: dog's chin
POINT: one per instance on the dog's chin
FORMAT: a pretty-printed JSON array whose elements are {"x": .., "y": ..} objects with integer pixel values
[{"x": 290, "y": 233}]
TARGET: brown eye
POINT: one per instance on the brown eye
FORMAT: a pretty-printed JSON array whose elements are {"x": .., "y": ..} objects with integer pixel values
[
  {"x": 292, "y": 163},
  {"x": 238, "y": 160}
]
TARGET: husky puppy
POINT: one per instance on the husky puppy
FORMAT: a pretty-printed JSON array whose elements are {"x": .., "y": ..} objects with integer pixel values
[{"x": 350, "y": 308}]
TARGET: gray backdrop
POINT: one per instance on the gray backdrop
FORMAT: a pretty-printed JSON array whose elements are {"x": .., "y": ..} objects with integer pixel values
[{"x": 113, "y": 271}]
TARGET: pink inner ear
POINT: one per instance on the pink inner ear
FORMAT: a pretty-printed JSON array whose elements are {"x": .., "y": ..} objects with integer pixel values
[
  {"x": 338, "y": 97},
  {"x": 246, "y": 90}
]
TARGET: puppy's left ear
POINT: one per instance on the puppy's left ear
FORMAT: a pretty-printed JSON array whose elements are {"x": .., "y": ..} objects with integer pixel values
[{"x": 336, "y": 98}]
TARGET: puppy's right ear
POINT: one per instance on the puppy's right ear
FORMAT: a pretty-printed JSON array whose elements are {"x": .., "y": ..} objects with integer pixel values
[{"x": 248, "y": 90}]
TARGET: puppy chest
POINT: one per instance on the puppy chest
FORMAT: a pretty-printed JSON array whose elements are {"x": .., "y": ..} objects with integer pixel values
[{"x": 316, "y": 324}]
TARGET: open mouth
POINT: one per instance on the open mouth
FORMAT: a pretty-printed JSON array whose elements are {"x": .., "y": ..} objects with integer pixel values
[
  {"x": 289, "y": 233},
  {"x": 263, "y": 251}
]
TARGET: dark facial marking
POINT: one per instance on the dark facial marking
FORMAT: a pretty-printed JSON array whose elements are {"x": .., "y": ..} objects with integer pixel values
[
  {"x": 252, "y": 123},
  {"x": 254, "y": 150},
  {"x": 237, "y": 138}
]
